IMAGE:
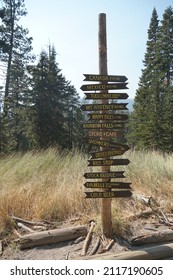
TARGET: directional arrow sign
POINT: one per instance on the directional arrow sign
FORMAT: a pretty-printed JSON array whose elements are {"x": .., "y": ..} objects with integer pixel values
[
  {"x": 104, "y": 86},
  {"x": 102, "y": 143},
  {"x": 105, "y": 175},
  {"x": 103, "y": 133},
  {"x": 107, "y": 194},
  {"x": 90, "y": 95},
  {"x": 104, "y": 78},
  {"x": 111, "y": 153},
  {"x": 103, "y": 125},
  {"x": 117, "y": 185},
  {"x": 100, "y": 107},
  {"x": 108, "y": 162},
  {"x": 107, "y": 117}
]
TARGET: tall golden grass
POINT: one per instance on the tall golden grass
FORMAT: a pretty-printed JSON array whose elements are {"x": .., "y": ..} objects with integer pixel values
[{"x": 48, "y": 185}]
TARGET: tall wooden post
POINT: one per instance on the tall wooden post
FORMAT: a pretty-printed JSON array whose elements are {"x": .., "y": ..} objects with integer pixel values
[{"x": 105, "y": 203}]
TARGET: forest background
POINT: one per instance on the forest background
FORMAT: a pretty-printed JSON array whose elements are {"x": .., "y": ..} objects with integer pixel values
[{"x": 41, "y": 108}]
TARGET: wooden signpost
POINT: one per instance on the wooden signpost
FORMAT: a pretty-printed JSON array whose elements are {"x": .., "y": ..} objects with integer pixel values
[
  {"x": 108, "y": 153},
  {"x": 117, "y": 185},
  {"x": 108, "y": 194},
  {"x": 98, "y": 107},
  {"x": 90, "y": 95},
  {"x": 100, "y": 133},
  {"x": 109, "y": 162},
  {"x": 96, "y": 87},
  {"x": 104, "y": 78},
  {"x": 108, "y": 117},
  {"x": 107, "y": 125},
  {"x": 103, "y": 125},
  {"x": 99, "y": 175}
]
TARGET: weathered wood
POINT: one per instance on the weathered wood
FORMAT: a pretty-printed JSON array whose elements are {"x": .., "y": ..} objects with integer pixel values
[
  {"x": 20, "y": 220},
  {"x": 78, "y": 240},
  {"x": 1, "y": 248},
  {"x": 140, "y": 214},
  {"x": 141, "y": 198},
  {"x": 25, "y": 228},
  {"x": 17, "y": 233},
  {"x": 39, "y": 228},
  {"x": 145, "y": 213},
  {"x": 110, "y": 244},
  {"x": 95, "y": 248},
  {"x": 148, "y": 253},
  {"x": 106, "y": 215},
  {"x": 153, "y": 238},
  {"x": 52, "y": 236},
  {"x": 88, "y": 239}
]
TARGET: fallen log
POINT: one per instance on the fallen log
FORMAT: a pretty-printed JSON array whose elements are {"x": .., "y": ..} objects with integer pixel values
[
  {"x": 158, "y": 237},
  {"x": 20, "y": 220},
  {"x": 20, "y": 225},
  {"x": 148, "y": 253},
  {"x": 1, "y": 248},
  {"x": 141, "y": 214},
  {"x": 88, "y": 239},
  {"x": 108, "y": 247},
  {"x": 95, "y": 248},
  {"x": 17, "y": 233},
  {"x": 52, "y": 236}
]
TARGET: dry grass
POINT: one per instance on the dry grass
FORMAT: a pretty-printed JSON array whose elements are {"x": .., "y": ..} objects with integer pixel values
[
  {"x": 48, "y": 185},
  {"x": 151, "y": 173}
]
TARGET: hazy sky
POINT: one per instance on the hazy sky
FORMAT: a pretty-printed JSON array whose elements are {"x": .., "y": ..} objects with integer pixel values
[{"x": 72, "y": 26}]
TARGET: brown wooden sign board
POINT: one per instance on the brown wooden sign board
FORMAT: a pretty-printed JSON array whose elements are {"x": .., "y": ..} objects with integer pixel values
[
  {"x": 110, "y": 153},
  {"x": 102, "y": 143},
  {"x": 117, "y": 185},
  {"x": 103, "y": 125},
  {"x": 95, "y": 142},
  {"x": 103, "y": 86},
  {"x": 103, "y": 133},
  {"x": 108, "y": 117},
  {"x": 104, "y": 78},
  {"x": 90, "y": 95},
  {"x": 108, "y": 194},
  {"x": 102, "y": 107},
  {"x": 105, "y": 175},
  {"x": 108, "y": 162}
]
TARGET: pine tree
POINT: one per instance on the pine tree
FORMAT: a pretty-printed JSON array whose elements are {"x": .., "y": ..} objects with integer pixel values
[
  {"x": 150, "y": 122},
  {"x": 15, "y": 59},
  {"x": 18, "y": 44},
  {"x": 166, "y": 46},
  {"x": 141, "y": 125},
  {"x": 55, "y": 102}
]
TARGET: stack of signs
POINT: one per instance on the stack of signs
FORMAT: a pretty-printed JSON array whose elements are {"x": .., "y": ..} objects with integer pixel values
[{"x": 103, "y": 127}]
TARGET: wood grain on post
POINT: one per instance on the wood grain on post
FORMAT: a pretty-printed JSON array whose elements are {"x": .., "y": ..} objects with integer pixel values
[{"x": 105, "y": 203}]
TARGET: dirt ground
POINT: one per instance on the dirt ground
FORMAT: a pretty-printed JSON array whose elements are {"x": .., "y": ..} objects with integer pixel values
[{"x": 72, "y": 249}]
